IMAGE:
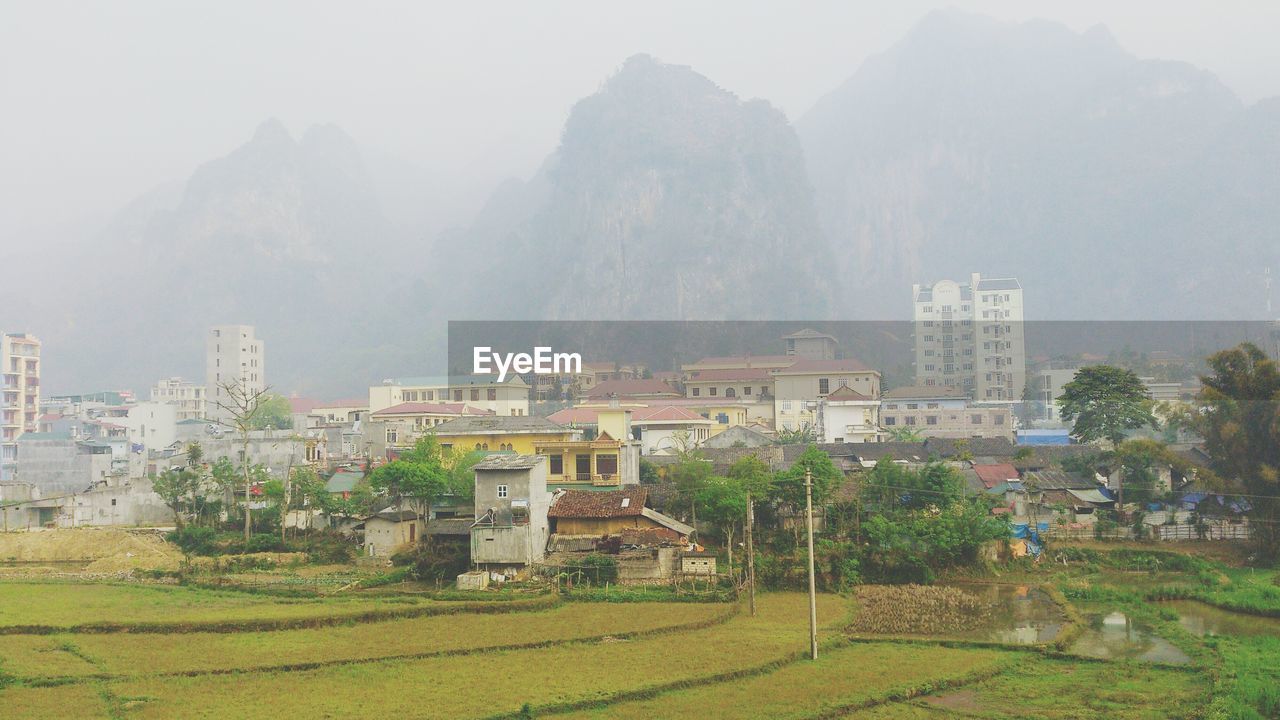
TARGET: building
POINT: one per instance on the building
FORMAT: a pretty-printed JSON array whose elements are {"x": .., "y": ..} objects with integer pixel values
[
  {"x": 400, "y": 426},
  {"x": 150, "y": 426},
  {"x": 511, "y": 529},
  {"x": 510, "y": 397},
  {"x": 188, "y": 397},
  {"x": 970, "y": 336},
  {"x": 234, "y": 356},
  {"x": 732, "y": 384},
  {"x": 390, "y": 531},
  {"x": 1046, "y": 384},
  {"x": 800, "y": 386},
  {"x": 943, "y": 412},
  {"x": 19, "y": 395},
  {"x": 596, "y": 514},
  {"x": 665, "y": 429},
  {"x": 848, "y": 416},
  {"x": 811, "y": 344},
  {"x": 634, "y": 389},
  {"x": 518, "y": 434},
  {"x": 56, "y": 463}
]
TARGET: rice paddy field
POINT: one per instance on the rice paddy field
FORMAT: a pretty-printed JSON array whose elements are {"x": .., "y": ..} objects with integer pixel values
[{"x": 993, "y": 650}]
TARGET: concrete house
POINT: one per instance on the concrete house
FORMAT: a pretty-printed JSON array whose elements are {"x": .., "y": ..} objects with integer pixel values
[
  {"x": 848, "y": 416},
  {"x": 944, "y": 412},
  {"x": 390, "y": 531},
  {"x": 510, "y": 532},
  {"x": 799, "y": 387},
  {"x": 596, "y": 513}
]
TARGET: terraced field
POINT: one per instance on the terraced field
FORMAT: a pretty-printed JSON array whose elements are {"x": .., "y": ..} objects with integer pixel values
[{"x": 543, "y": 658}]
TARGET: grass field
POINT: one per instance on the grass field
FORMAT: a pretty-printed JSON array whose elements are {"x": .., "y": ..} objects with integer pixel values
[{"x": 571, "y": 660}]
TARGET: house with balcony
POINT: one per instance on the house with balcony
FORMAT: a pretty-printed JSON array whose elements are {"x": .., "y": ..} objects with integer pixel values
[
  {"x": 943, "y": 412},
  {"x": 847, "y": 416},
  {"x": 400, "y": 426},
  {"x": 501, "y": 433},
  {"x": 799, "y": 387},
  {"x": 608, "y": 459}
]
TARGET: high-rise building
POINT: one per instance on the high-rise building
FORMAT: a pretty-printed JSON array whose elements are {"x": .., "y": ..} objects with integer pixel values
[
  {"x": 19, "y": 395},
  {"x": 970, "y": 336},
  {"x": 233, "y": 357},
  {"x": 189, "y": 397}
]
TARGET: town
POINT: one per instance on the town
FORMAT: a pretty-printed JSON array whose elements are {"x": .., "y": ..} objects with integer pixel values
[{"x": 991, "y": 495}]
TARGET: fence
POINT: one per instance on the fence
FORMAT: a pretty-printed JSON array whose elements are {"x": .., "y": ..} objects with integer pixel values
[{"x": 1172, "y": 533}]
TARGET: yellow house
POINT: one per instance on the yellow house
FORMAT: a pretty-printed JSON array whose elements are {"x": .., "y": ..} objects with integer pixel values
[
  {"x": 609, "y": 460},
  {"x": 520, "y": 434}
]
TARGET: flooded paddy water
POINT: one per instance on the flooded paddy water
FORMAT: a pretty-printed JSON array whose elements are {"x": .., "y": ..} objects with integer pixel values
[
  {"x": 1202, "y": 619},
  {"x": 1111, "y": 634}
]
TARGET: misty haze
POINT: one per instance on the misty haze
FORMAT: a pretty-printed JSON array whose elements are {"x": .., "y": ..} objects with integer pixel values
[{"x": 939, "y": 339}]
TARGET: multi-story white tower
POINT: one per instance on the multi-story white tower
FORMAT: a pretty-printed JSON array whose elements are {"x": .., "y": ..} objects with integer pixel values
[
  {"x": 19, "y": 395},
  {"x": 233, "y": 355},
  {"x": 187, "y": 396},
  {"x": 970, "y": 336}
]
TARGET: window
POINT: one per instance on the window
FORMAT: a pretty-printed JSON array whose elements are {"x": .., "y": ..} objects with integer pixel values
[
  {"x": 557, "y": 464},
  {"x": 913, "y": 406},
  {"x": 890, "y": 420},
  {"x": 607, "y": 464},
  {"x": 910, "y": 419},
  {"x": 977, "y": 419},
  {"x": 475, "y": 393},
  {"x": 697, "y": 392},
  {"x": 711, "y": 391},
  {"x": 997, "y": 420},
  {"x": 932, "y": 406},
  {"x": 730, "y": 392},
  {"x": 824, "y": 386},
  {"x": 457, "y": 396},
  {"x": 493, "y": 393},
  {"x": 502, "y": 491},
  {"x": 746, "y": 390},
  {"x": 392, "y": 436},
  {"x": 931, "y": 420}
]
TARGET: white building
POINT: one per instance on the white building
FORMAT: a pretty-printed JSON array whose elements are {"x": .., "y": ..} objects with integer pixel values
[
  {"x": 800, "y": 386},
  {"x": 509, "y": 398},
  {"x": 19, "y": 395},
  {"x": 970, "y": 336},
  {"x": 848, "y": 416},
  {"x": 233, "y": 355},
  {"x": 151, "y": 426},
  {"x": 188, "y": 397}
]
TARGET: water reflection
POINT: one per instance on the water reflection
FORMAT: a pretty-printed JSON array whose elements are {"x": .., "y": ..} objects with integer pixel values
[
  {"x": 1201, "y": 619},
  {"x": 1021, "y": 614},
  {"x": 1115, "y": 636}
]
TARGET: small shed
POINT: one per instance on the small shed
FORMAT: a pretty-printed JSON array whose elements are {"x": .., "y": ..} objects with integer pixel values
[
  {"x": 698, "y": 564},
  {"x": 386, "y": 532}
]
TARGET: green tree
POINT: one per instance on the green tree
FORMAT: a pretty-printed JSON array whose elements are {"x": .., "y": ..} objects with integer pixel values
[
  {"x": 418, "y": 477},
  {"x": 723, "y": 501},
  {"x": 788, "y": 487},
  {"x": 1105, "y": 402},
  {"x": 272, "y": 411},
  {"x": 892, "y": 487},
  {"x": 800, "y": 436},
  {"x": 177, "y": 487},
  {"x": 904, "y": 433},
  {"x": 1239, "y": 419}
]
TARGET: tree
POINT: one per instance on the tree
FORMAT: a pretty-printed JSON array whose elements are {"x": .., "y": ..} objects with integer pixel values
[
  {"x": 273, "y": 413},
  {"x": 176, "y": 487},
  {"x": 242, "y": 407},
  {"x": 419, "y": 476},
  {"x": 1105, "y": 402},
  {"x": 753, "y": 476},
  {"x": 724, "y": 502},
  {"x": 689, "y": 476},
  {"x": 789, "y": 484},
  {"x": 1239, "y": 419},
  {"x": 800, "y": 436},
  {"x": 893, "y": 487},
  {"x": 904, "y": 433}
]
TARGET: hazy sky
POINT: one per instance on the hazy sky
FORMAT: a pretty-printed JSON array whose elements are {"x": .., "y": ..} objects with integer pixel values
[{"x": 102, "y": 101}]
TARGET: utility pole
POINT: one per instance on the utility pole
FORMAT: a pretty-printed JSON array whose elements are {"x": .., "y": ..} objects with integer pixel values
[
  {"x": 813, "y": 591},
  {"x": 751, "y": 556}
]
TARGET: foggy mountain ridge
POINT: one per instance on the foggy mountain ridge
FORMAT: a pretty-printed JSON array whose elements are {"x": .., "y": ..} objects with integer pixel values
[
  {"x": 668, "y": 198},
  {"x": 1106, "y": 183},
  {"x": 1034, "y": 151}
]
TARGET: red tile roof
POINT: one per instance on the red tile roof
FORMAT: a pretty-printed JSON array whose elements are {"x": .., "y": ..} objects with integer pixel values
[
  {"x": 664, "y": 413},
  {"x": 422, "y": 408},
  {"x": 748, "y": 360},
  {"x": 845, "y": 392},
  {"x": 730, "y": 374},
  {"x": 805, "y": 365},
  {"x": 993, "y": 475},
  {"x": 581, "y": 416},
  {"x": 632, "y": 388},
  {"x": 302, "y": 406},
  {"x": 591, "y": 504}
]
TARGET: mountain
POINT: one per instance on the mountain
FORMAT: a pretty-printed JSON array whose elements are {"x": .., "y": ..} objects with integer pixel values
[
  {"x": 667, "y": 198},
  {"x": 1111, "y": 186},
  {"x": 286, "y": 234}
]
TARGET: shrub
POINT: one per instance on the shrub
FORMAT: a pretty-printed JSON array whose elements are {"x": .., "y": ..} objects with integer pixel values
[
  {"x": 195, "y": 540},
  {"x": 264, "y": 542}
]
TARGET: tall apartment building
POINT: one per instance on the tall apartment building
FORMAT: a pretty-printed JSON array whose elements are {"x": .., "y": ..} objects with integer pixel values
[
  {"x": 19, "y": 395},
  {"x": 189, "y": 397},
  {"x": 233, "y": 355},
  {"x": 970, "y": 336}
]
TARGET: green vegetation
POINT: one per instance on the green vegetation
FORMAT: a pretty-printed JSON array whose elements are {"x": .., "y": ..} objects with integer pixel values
[{"x": 1105, "y": 403}]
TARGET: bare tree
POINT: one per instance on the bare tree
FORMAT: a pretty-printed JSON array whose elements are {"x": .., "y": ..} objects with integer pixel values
[{"x": 242, "y": 406}]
